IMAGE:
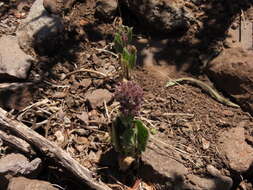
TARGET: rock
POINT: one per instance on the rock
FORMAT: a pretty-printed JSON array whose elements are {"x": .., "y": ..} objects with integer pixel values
[
  {"x": 13, "y": 61},
  {"x": 232, "y": 145},
  {"x": 97, "y": 97},
  {"x": 19, "y": 183},
  {"x": 40, "y": 31},
  {"x": 158, "y": 168},
  {"x": 232, "y": 72},
  {"x": 245, "y": 185},
  {"x": 53, "y": 6},
  {"x": 57, "y": 6},
  {"x": 164, "y": 16},
  {"x": 84, "y": 117},
  {"x": 224, "y": 182},
  {"x": 106, "y": 8},
  {"x": 17, "y": 164},
  {"x": 216, "y": 183}
]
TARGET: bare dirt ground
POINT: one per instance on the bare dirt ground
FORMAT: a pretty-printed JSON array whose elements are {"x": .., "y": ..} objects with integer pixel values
[{"x": 183, "y": 114}]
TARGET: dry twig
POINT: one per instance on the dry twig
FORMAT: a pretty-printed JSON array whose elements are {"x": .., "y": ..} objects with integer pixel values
[{"x": 50, "y": 150}]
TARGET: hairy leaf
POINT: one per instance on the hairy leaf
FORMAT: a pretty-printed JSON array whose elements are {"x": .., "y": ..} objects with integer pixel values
[
  {"x": 130, "y": 34},
  {"x": 142, "y": 135},
  {"x": 129, "y": 141},
  {"x": 132, "y": 57},
  {"x": 118, "y": 43}
]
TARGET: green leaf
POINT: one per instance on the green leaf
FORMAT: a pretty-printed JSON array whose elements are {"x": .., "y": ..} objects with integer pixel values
[
  {"x": 142, "y": 135},
  {"x": 115, "y": 134},
  {"x": 132, "y": 57},
  {"x": 118, "y": 43},
  {"x": 153, "y": 131},
  {"x": 125, "y": 55},
  {"x": 129, "y": 34},
  {"x": 129, "y": 141}
]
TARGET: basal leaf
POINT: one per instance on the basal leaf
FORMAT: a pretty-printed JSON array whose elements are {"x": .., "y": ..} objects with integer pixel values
[
  {"x": 125, "y": 55},
  {"x": 118, "y": 43},
  {"x": 142, "y": 135},
  {"x": 129, "y": 34},
  {"x": 129, "y": 141},
  {"x": 132, "y": 57},
  {"x": 115, "y": 134}
]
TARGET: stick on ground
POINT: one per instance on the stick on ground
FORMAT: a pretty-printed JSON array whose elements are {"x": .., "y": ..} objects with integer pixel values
[
  {"x": 16, "y": 143},
  {"x": 50, "y": 150}
]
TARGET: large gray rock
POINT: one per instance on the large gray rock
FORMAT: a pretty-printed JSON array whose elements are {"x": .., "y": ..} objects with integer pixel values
[
  {"x": 40, "y": 31},
  {"x": 13, "y": 61},
  {"x": 163, "y": 16},
  {"x": 232, "y": 72},
  {"x": 239, "y": 154},
  {"x": 19, "y": 183}
]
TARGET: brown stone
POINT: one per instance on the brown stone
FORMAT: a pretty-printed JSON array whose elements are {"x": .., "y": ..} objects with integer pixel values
[
  {"x": 159, "y": 168},
  {"x": 209, "y": 183},
  {"x": 232, "y": 72},
  {"x": 98, "y": 97},
  {"x": 233, "y": 147},
  {"x": 19, "y": 183}
]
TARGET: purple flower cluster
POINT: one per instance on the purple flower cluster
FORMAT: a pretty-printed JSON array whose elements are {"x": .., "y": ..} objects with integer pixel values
[
  {"x": 124, "y": 38},
  {"x": 130, "y": 96}
]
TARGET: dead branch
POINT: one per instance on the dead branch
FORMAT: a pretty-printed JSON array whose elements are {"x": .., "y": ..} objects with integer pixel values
[
  {"x": 50, "y": 150},
  {"x": 16, "y": 143}
]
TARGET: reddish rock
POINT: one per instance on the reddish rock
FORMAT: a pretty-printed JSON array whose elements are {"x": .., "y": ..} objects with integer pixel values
[
  {"x": 232, "y": 72},
  {"x": 202, "y": 183},
  {"x": 97, "y": 97},
  {"x": 159, "y": 168},
  {"x": 18, "y": 183},
  {"x": 233, "y": 147}
]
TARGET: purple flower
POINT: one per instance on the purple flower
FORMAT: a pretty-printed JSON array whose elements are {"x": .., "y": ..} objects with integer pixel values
[
  {"x": 124, "y": 38},
  {"x": 130, "y": 96}
]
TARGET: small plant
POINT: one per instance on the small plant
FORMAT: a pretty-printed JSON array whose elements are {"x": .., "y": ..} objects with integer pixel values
[
  {"x": 129, "y": 135},
  {"x": 127, "y": 52}
]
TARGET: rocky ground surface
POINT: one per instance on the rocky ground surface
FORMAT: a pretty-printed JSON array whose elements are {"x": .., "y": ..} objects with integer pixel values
[{"x": 58, "y": 73}]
